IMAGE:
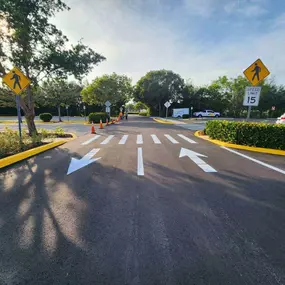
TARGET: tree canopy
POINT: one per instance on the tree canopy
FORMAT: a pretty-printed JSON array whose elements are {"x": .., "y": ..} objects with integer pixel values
[
  {"x": 157, "y": 87},
  {"x": 114, "y": 87},
  {"x": 38, "y": 48}
]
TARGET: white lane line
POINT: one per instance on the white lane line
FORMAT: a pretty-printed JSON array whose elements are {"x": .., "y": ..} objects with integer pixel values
[
  {"x": 155, "y": 139},
  {"x": 140, "y": 162},
  {"x": 107, "y": 140},
  {"x": 91, "y": 140},
  {"x": 255, "y": 160},
  {"x": 123, "y": 139},
  {"x": 187, "y": 139},
  {"x": 139, "y": 139},
  {"x": 171, "y": 139}
]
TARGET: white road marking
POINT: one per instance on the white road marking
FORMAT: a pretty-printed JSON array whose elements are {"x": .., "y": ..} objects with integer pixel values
[
  {"x": 187, "y": 139},
  {"x": 194, "y": 156},
  {"x": 140, "y": 170},
  {"x": 139, "y": 139},
  {"x": 123, "y": 139},
  {"x": 155, "y": 139},
  {"x": 107, "y": 140},
  {"x": 91, "y": 140},
  {"x": 255, "y": 160},
  {"x": 171, "y": 139}
]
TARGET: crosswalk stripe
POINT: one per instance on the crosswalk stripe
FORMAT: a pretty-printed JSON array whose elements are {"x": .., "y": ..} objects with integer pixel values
[
  {"x": 187, "y": 139},
  {"x": 155, "y": 139},
  {"x": 123, "y": 139},
  {"x": 139, "y": 139},
  {"x": 171, "y": 139},
  {"x": 91, "y": 140},
  {"x": 107, "y": 140},
  {"x": 140, "y": 170}
]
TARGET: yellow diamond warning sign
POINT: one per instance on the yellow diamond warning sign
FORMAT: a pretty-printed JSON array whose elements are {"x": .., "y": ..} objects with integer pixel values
[
  {"x": 256, "y": 72},
  {"x": 16, "y": 80}
]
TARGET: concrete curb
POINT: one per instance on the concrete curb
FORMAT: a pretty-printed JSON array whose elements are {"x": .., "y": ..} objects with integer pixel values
[
  {"x": 32, "y": 152},
  {"x": 201, "y": 135},
  {"x": 163, "y": 122}
]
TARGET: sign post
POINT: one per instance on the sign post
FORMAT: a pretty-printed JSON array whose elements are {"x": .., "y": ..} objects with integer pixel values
[
  {"x": 17, "y": 82},
  {"x": 108, "y": 109},
  {"x": 67, "y": 112},
  {"x": 191, "y": 110},
  {"x": 251, "y": 98},
  {"x": 84, "y": 108},
  {"x": 255, "y": 73},
  {"x": 167, "y": 105}
]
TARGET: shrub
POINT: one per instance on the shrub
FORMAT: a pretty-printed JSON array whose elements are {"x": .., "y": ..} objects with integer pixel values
[
  {"x": 144, "y": 113},
  {"x": 185, "y": 116},
  {"x": 46, "y": 117},
  {"x": 96, "y": 117},
  {"x": 244, "y": 133}
]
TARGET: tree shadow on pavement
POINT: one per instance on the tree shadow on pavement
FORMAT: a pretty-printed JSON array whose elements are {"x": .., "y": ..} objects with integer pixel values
[{"x": 104, "y": 225}]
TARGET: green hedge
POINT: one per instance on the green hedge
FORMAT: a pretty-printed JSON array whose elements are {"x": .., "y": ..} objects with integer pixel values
[
  {"x": 185, "y": 116},
  {"x": 144, "y": 114},
  {"x": 96, "y": 117},
  {"x": 45, "y": 117},
  {"x": 250, "y": 134}
]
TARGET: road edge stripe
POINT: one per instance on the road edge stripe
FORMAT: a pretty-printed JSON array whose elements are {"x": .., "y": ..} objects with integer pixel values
[
  {"x": 241, "y": 147},
  {"x": 163, "y": 122}
]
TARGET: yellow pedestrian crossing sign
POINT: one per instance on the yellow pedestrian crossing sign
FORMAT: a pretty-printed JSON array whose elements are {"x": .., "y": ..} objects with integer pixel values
[
  {"x": 256, "y": 72},
  {"x": 16, "y": 80}
]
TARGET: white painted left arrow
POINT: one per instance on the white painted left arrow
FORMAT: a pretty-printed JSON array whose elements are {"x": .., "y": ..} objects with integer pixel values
[
  {"x": 76, "y": 164},
  {"x": 194, "y": 156}
]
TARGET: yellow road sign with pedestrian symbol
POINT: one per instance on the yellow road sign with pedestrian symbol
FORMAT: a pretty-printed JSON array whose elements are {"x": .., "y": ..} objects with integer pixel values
[
  {"x": 16, "y": 80},
  {"x": 256, "y": 72}
]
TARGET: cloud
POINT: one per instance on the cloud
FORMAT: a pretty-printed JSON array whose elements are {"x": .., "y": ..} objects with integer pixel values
[
  {"x": 200, "y": 7},
  {"x": 136, "y": 40},
  {"x": 252, "y": 8}
]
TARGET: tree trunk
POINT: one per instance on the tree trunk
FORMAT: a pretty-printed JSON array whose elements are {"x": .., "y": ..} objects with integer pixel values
[
  {"x": 29, "y": 112},
  {"x": 59, "y": 115},
  {"x": 31, "y": 123}
]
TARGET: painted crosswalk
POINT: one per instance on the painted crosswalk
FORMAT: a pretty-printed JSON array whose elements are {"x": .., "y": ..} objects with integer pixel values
[
  {"x": 107, "y": 140},
  {"x": 139, "y": 139}
]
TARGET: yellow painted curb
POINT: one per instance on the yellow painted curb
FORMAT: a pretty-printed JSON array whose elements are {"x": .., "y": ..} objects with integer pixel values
[
  {"x": 242, "y": 147},
  {"x": 163, "y": 122},
  {"x": 31, "y": 152}
]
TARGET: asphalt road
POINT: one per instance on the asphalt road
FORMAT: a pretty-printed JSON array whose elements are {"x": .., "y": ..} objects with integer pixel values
[{"x": 142, "y": 215}]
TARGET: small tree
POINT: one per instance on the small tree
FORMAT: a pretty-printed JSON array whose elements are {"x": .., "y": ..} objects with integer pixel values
[
  {"x": 58, "y": 93},
  {"x": 38, "y": 48}
]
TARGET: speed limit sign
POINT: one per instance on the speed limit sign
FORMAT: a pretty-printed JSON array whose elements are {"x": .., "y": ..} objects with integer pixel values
[{"x": 251, "y": 97}]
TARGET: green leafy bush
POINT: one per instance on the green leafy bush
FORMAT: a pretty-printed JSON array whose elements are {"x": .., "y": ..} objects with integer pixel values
[
  {"x": 96, "y": 117},
  {"x": 46, "y": 117},
  {"x": 250, "y": 134},
  {"x": 185, "y": 116},
  {"x": 144, "y": 113}
]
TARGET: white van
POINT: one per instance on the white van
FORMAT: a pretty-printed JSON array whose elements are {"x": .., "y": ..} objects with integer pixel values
[{"x": 178, "y": 113}]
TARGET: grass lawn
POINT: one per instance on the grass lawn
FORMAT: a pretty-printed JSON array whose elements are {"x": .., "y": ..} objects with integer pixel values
[{"x": 10, "y": 140}]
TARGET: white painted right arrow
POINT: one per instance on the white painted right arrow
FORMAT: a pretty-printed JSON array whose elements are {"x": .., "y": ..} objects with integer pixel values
[{"x": 194, "y": 156}]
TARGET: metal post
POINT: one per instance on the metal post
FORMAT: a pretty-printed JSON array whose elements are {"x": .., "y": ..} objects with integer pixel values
[
  {"x": 166, "y": 113},
  {"x": 248, "y": 113},
  {"x": 19, "y": 117}
]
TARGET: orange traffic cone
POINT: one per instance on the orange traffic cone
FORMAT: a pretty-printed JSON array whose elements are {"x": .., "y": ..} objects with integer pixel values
[
  {"x": 107, "y": 122},
  {"x": 101, "y": 125},
  {"x": 93, "y": 129}
]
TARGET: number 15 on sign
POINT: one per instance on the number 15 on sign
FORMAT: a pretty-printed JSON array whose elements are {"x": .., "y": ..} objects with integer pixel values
[{"x": 252, "y": 95}]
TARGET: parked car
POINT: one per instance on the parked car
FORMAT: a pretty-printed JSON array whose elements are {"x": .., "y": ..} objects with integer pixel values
[
  {"x": 281, "y": 120},
  {"x": 206, "y": 113},
  {"x": 179, "y": 112}
]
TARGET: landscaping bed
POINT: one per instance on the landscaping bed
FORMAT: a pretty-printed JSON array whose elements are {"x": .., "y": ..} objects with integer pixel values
[
  {"x": 249, "y": 134},
  {"x": 10, "y": 140}
]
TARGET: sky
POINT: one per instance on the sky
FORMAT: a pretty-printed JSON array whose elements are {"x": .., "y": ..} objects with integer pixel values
[{"x": 198, "y": 39}]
